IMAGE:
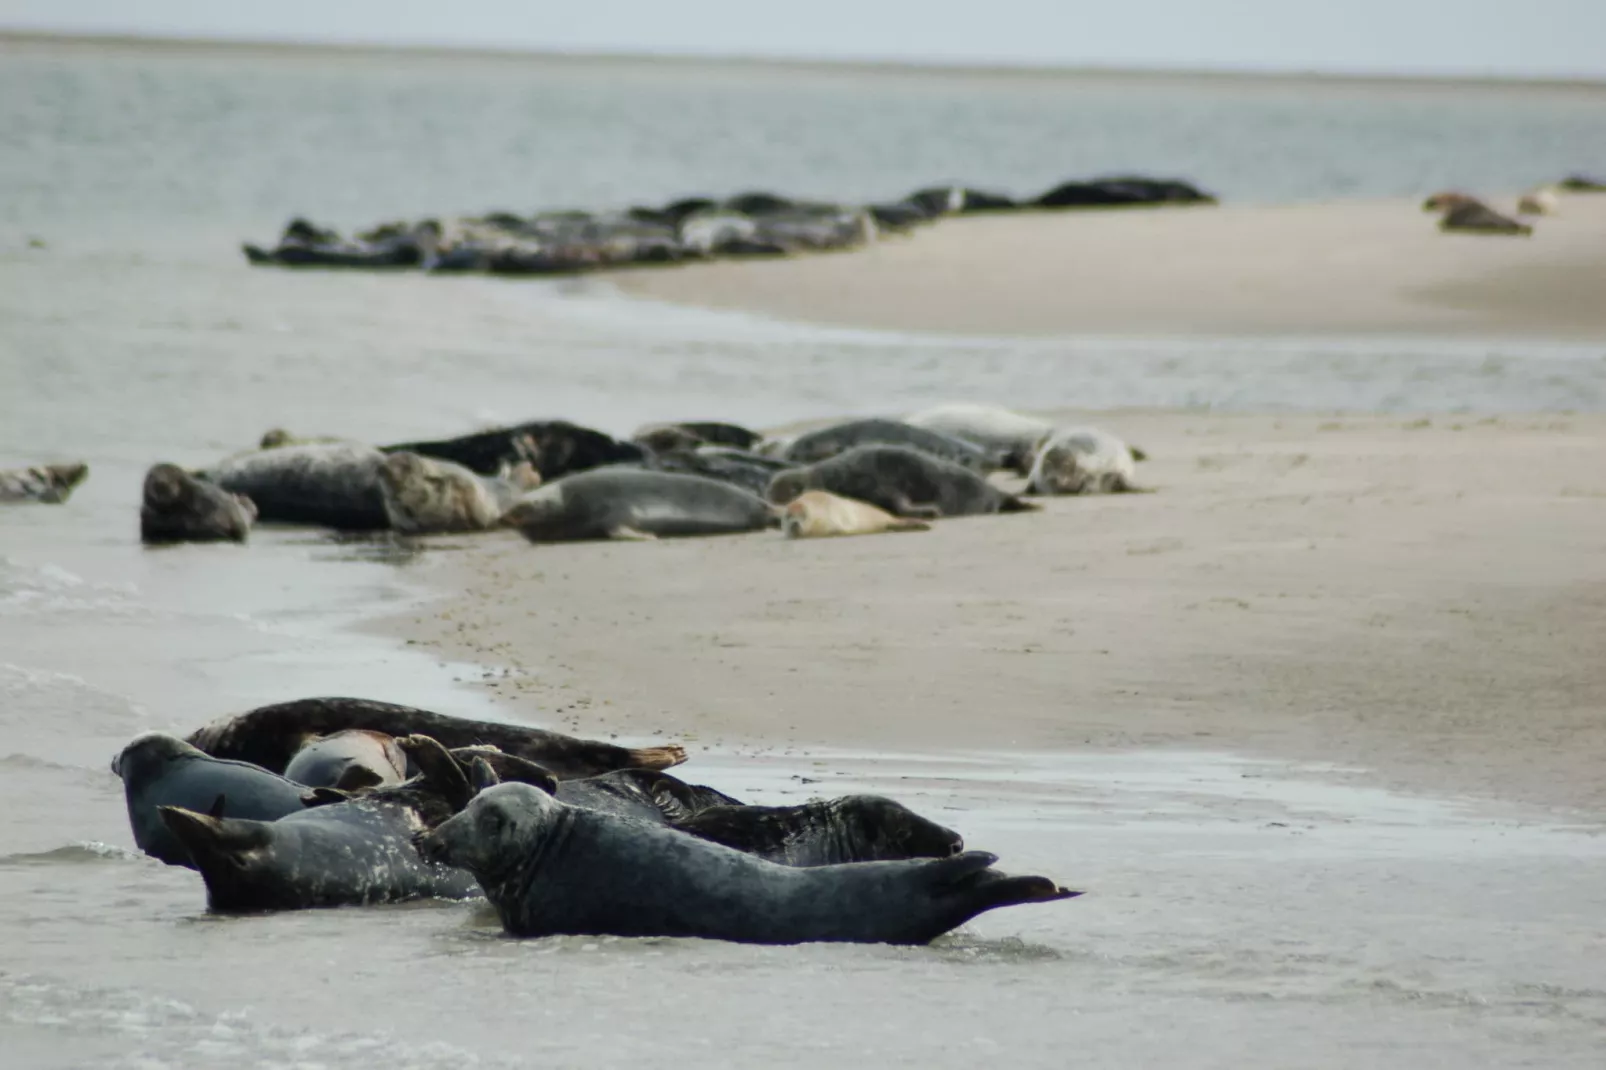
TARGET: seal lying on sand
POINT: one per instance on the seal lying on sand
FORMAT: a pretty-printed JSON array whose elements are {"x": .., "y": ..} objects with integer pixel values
[
  {"x": 818, "y": 445},
  {"x": 1011, "y": 436},
  {"x": 1541, "y": 201},
  {"x": 1082, "y": 460},
  {"x": 335, "y": 484},
  {"x": 705, "y": 432},
  {"x": 162, "y": 770},
  {"x": 349, "y": 761},
  {"x": 348, "y": 853},
  {"x": 751, "y": 472},
  {"x": 555, "y": 447},
  {"x": 51, "y": 484},
  {"x": 632, "y": 503},
  {"x": 645, "y": 794},
  {"x": 827, "y": 832},
  {"x": 270, "y": 736},
  {"x": 903, "y": 481},
  {"x": 549, "y": 868},
  {"x": 427, "y": 496},
  {"x": 1475, "y": 217},
  {"x": 817, "y": 514},
  {"x": 177, "y": 507}
]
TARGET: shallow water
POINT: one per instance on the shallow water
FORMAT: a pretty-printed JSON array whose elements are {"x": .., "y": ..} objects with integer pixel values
[{"x": 1238, "y": 911}]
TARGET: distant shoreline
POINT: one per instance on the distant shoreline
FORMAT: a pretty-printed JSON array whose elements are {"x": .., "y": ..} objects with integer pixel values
[{"x": 890, "y": 67}]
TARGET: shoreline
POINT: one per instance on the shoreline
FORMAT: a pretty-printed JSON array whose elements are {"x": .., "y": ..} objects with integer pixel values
[{"x": 1410, "y": 602}]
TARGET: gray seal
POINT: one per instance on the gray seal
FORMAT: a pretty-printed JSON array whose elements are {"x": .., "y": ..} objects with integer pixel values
[
  {"x": 162, "y": 770},
  {"x": 270, "y": 736},
  {"x": 335, "y": 484},
  {"x": 1012, "y": 436},
  {"x": 549, "y": 868},
  {"x": 646, "y": 794},
  {"x": 178, "y": 507},
  {"x": 826, "y": 442},
  {"x": 1082, "y": 460},
  {"x": 1474, "y": 217},
  {"x": 905, "y": 482},
  {"x": 51, "y": 484},
  {"x": 632, "y": 503},
  {"x": 429, "y": 496},
  {"x": 751, "y": 472},
  {"x": 825, "y": 832},
  {"x": 349, "y": 760},
  {"x": 349, "y": 853}
]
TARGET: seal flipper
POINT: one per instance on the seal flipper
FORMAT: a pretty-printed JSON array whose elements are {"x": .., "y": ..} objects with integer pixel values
[
  {"x": 438, "y": 769},
  {"x": 972, "y": 887},
  {"x": 1012, "y": 504},
  {"x": 906, "y": 508},
  {"x": 356, "y": 777},
  {"x": 206, "y": 837},
  {"x": 909, "y": 525},
  {"x": 217, "y": 806}
]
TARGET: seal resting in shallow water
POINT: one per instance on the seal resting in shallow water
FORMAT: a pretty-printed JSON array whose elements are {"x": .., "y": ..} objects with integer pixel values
[
  {"x": 633, "y": 503},
  {"x": 348, "y": 853},
  {"x": 427, "y": 496},
  {"x": 904, "y": 482},
  {"x": 335, "y": 484},
  {"x": 50, "y": 484},
  {"x": 177, "y": 507},
  {"x": 270, "y": 736},
  {"x": 348, "y": 761},
  {"x": 817, "y": 514},
  {"x": 549, "y": 868},
  {"x": 1082, "y": 460},
  {"x": 825, "y": 832},
  {"x": 824, "y": 442},
  {"x": 162, "y": 770}
]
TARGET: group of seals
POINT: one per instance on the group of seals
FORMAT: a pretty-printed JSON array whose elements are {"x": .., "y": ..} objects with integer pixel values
[
  {"x": 362, "y": 816},
  {"x": 1464, "y": 213},
  {"x": 903, "y": 481},
  {"x": 50, "y": 484}
]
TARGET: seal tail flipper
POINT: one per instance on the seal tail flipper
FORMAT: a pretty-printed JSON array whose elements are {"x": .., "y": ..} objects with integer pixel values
[
  {"x": 625, "y": 531},
  {"x": 991, "y": 890},
  {"x": 206, "y": 837},
  {"x": 657, "y": 757},
  {"x": 438, "y": 768},
  {"x": 1012, "y": 504},
  {"x": 357, "y": 777}
]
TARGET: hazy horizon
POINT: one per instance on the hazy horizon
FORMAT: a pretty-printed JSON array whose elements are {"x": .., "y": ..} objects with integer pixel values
[{"x": 1548, "y": 39}]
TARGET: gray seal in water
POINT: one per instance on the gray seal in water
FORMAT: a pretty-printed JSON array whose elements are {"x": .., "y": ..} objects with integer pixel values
[
  {"x": 903, "y": 481},
  {"x": 427, "y": 496},
  {"x": 50, "y": 484},
  {"x": 1082, "y": 460},
  {"x": 178, "y": 507},
  {"x": 549, "y": 868},
  {"x": 335, "y": 484},
  {"x": 825, "y": 442},
  {"x": 825, "y": 832},
  {"x": 349, "y": 760},
  {"x": 270, "y": 736},
  {"x": 633, "y": 503},
  {"x": 162, "y": 770},
  {"x": 351, "y": 852}
]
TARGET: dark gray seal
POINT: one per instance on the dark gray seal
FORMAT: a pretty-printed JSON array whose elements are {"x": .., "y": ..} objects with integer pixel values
[
  {"x": 751, "y": 472},
  {"x": 270, "y": 736},
  {"x": 349, "y": 760},
  {"x": 826, "y": 832},
  {"x": 905, "y": 482},
  {"x": 827, "y": 442},
  {"x": 699, "y": 433},
  {"x": 549, "y": 868},
  {"x": 646, "y": 794},
  {"x": 178, "y": 507},
  {"x": 555, "y": 447},
  {"x": 162, "y": 770},
  {"x": 349, "y": 853},
  {"x": 335, "y": 484},
  {"x": 50, "y": 484},
  {"x": 1474, "y": 217},
  {"x": 633, "y": 503}
]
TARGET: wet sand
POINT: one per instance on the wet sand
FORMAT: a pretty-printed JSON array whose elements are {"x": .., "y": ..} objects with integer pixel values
[
  {"x": 1378, "y": 267},
  {"x": 1419, "y": 603}
]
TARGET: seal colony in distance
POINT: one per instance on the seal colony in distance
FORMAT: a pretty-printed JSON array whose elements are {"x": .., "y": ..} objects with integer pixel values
[
  {"x": 179, "y": 507},
  {"x": 549, "y": 868},
  {"x": 50, "y": 484},
  {"x": 627, "y": 503},
  {"x": 270, "y": 736},
  {"x": 905, "y": 482}
]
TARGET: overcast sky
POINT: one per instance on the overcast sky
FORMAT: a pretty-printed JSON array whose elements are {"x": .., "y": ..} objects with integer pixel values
[{"x": 1527, "y": 37}]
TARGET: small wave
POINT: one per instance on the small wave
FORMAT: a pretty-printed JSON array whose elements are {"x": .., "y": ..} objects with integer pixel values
[
  {"x": 73, "y": 854},
  {"x": 28, "y": 762}
]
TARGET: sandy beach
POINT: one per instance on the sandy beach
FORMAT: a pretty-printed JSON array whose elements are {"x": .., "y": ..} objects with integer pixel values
[
  {"x": 1378, "y": 267},
  {"x": 1418, "y": 602}
]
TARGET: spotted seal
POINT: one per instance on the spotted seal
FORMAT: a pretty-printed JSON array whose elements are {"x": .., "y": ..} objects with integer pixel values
[
  {"x": 549, "y": 868},
  {"x": 162, "y": 770},
  {"x": 50, "y": 484},
  {"x": 178, "y": 507},
  {"x": 334, "y": 484},
  {"x": 905, "y": 482},
  {"x": 632, "y": 503},
  {"x": 817, "y": 514},
  {"x": 826, "y": 442},
  {"x": 270, "y": 736},
  {"x": 825, "y": 832},
  {"x": 427, "y": 496},
  {"x": 1082, "y": 460}
]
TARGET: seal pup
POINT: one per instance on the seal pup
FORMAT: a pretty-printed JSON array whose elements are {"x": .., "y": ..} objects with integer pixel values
[
  {"x": 51, "y": 484},
  {"x": 825, "y": 442},
  {"x": 633, "y": 503},
  {"x": 427, "y": 496},
  {"x": 1012, "y": 436},
  {"x": 162, "y": 770},
  {"x": 350, "y": 760},
  {"x": 905, "y": 482},
  {"x": 824, "y": 832},
  {"x": 549, "y": 868},
  {"x": 335, "y": 484},
  {"x": 1082, "y": 460},
  {"x": 817, "y": 514},
  {"x": 270, "y": 736},
  {"x": 177, "y": 507},
  {"x": 1475, "y": 217},
  {"x": 351, "y": 852}
]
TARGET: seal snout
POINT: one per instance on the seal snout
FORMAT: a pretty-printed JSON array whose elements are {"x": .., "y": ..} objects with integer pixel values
[{"x": 431, "y": 846}]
